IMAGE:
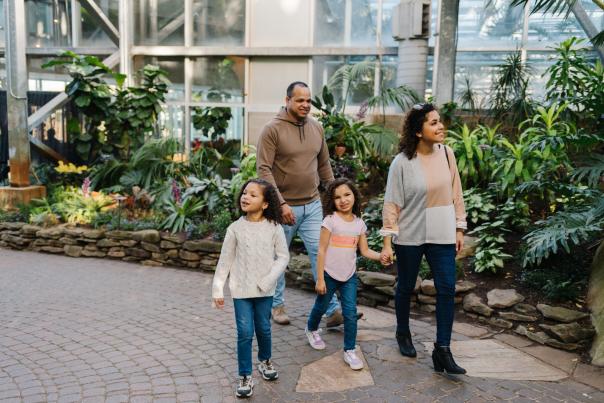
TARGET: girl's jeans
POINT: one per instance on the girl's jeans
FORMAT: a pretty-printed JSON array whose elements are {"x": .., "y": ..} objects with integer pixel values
[
  {"x": 252, "y": 314},
  {"x": 441, "y": 259},
  {"x": 348, "y": 299}
]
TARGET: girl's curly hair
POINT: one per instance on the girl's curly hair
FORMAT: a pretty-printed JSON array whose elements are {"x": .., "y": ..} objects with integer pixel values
[
  {"x": 329, "y": 204},
  {"x": 414, "y": 120},
  {"x": 273, "y": 211}
]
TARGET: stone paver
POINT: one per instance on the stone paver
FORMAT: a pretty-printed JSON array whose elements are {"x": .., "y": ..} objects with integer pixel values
[{"x": 74, "y": 330}]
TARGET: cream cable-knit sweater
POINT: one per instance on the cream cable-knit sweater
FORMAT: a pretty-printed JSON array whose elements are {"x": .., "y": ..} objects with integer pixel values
[{"x": 253, "y": 256}]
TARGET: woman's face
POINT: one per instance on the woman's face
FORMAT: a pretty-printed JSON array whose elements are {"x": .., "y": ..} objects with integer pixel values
[{"x": 433, "y": 131}]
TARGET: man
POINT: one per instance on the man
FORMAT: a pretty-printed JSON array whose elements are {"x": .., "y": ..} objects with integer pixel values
[{"x": 292, "y": 155}]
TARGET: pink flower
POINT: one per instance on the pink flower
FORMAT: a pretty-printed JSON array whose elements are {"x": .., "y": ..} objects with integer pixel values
[
  {"x": 86, "y": 186},
  {"x": 176, "y": 194}
]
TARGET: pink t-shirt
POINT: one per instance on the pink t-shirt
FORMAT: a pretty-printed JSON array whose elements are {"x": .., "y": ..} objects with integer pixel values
[{"x": 340, "y": 260}]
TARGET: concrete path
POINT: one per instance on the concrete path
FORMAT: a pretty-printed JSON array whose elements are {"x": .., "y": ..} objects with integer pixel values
[{"x": 94, "y": 330}]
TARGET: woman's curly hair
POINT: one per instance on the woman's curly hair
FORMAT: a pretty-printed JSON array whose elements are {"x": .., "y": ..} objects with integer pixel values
[
  {"x": 329, "y": 204},
  {"x": 273, "y": 211},
  {"x": 414, "y": 120}
]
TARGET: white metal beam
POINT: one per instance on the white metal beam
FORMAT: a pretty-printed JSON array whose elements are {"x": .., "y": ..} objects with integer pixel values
[{"x": 100, "y": 18}]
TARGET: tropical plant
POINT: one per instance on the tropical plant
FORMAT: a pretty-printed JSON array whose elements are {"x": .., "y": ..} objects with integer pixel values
[
  {"x": 246, "y": 171},
  {"x": 212, "y": 121},
  {"x": 479, "y": 205},
  {"x": 213, "y": 192},
  {"x": 489, "y": 255},
  {"x": 76, "y": 206},
  {"x": 180, "y": 215}
]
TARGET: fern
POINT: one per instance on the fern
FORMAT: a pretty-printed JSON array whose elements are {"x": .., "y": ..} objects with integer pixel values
[
  {"x": 563, "y": 229},
  {"x": 593, "y": 172}
]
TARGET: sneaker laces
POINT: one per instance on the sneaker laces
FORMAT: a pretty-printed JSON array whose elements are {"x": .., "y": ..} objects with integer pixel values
[
  {"x": 316, "y": 334},
  {"x": 268, "y": 365},
  {"x": 352, "y": 354},
  {"x": 245, "y": 381}
]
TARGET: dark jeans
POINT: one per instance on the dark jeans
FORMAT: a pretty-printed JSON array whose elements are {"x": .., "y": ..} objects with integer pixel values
[
  {"x": 441, "y": 259},
  {"x": 348, "y": 300},
  {"x": 252, "y": 314}
]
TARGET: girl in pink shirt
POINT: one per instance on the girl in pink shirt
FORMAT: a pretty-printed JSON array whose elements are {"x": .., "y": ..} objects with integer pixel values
[{"x": 342, "y": 232}]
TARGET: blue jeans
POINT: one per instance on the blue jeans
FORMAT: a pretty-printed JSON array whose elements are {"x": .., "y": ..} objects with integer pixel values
[
  {"x": 441, "y": 259},
  {"x": 252, "y": 314},
  {"x": 348, "y": 297},
  {"x": 308, "y": 226}
]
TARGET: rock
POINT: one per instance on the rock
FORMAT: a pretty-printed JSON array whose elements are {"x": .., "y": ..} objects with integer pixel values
[
  {"x": 93, "y": 233},
  {"x": 151, "y": 263},
  {"x": 167, "y": 244},
  {"x": 107, "y": 243},
  {"x": 501, "y": 323},
  {"x": 50, "y": 233},
  {"x": 458, "y": 299},
  {"x": 134, "y": 259},
  {"x": 39, "y": 242},
  {"x": 307, "y": 275},
  {"x": 13, "y": 226},
  {"x": 72, "y": 250},
  {"x": 30, "y": 230},
  {"x": 569, "y": 332},
  {"x": 469, "y": 247},
  {"x": 427, "y": 287},
  {"x": 172, "y": 253},
  {"x": 525, "y": 309},
  {"x": 117, "y": 234},
  {"x": 563, "y": 346},
  {"x": 560, "y": 314},
  {"x": 426, "y": 299},
  {"x": 91, "y": 247},
  {"x": 147, "y": 235},
  {"x": 539, "y": 337},
  {"x": 503, "y": 298},
  {"x": 176, "y": 238},
  {"x": 202, "y": 245},
  {"x": 464, "y": 286},
  {"x": 51, "y": 249},
  {"x": 299, "y": 263},
  {"x": 207, "y": 268},
  {"x": 151, "y": 247},
  {"x": 210, "y": 262},
  {"x": 427, "y": 308},
  {"x": 68, "y": 241},
  {"x": 128, "y": 243},
  {"x": 473, "y": 303},
  {"x": 116, "y": 253},
  {"x": 376, "y": 279},
  {"x": 386, "y": 290},
  {"x": 517, "y": 317},
  {"x": 521, "y": 330},
  {"x": 189, "y": 256},
  {"x": 595, "y": 301},
  {"x": 362, "y": 300},
  {"x": 16, "y": 240},
  {"x": 93, "y": 253},
  {"x": 138, "y": 253},
  {"x": 160, "y": 257},
  {"x": 418, "y": 285},
  {"x": 73, "y": 232}
]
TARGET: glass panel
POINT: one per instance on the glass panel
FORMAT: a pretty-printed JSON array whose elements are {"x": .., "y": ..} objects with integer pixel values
[
  {"x": 489, "y": 23},
  {"x": 361, "y": 89},
  {"x": 596, "y": 14},
  {"x": 478, "y": 67},
  {"x": 175, "y": 67},
  {"x": 171, "y": 121},
  {"x": 389, "y": 65},
  {"x": 539, "y": 62},
  {"x": 233, "y": 132},
  {"x": 547, "y": 29},
  {"x": 91, "y": 33},
  {"x": 52, "y": 79},
  {"x": 218, "y": 22},
  {"x": 345, "y": 22},
  {"x": 159, "y": 22},
  {"x": 218, "y": 79},
  {"x": 2, "y": 72},
  {"x": 48, "y": 23},
  {"x": 387, "y": 10},
  {"x": 2, "y": 23},
  {"x": 429, "y": 75}
]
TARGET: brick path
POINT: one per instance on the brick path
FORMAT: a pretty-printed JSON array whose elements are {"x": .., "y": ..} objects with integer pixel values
[{"x": 95, "y": 330}]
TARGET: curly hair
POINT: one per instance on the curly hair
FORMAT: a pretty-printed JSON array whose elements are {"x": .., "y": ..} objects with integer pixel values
[
  {"x": 273, "y": 211},
  {"x": 414, "y": 120},
  {"x": 329, "y": 204}
]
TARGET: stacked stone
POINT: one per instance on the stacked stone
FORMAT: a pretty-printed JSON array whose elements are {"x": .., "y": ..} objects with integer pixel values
[
  {"x": 426, "y": 293},
  {"x": 149, "y": 247}
]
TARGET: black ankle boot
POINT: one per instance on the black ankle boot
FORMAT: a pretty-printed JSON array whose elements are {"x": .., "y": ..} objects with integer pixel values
[
  {"x": 405, "y": 344},
  {"x": 443, "y": 360}
]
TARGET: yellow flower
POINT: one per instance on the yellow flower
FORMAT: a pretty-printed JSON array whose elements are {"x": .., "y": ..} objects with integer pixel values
[{"x": 70, "y": 168}]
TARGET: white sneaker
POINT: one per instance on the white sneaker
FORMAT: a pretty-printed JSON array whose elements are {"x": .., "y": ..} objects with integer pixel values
[
  {"x": 267, "y": 370},
  {"x": 314, "y": 339},
  {"x": 245, "y": 388},
  {"x": 350, "y": 357}
]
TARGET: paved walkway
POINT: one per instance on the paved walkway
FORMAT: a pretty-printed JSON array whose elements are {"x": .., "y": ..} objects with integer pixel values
[{"x": 95, "y": 330}]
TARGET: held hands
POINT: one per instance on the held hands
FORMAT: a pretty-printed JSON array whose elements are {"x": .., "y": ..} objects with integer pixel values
[
  {"x": 386, "y": 257},
  {"x": 218, "y": 303},
  {"x": 287, "y": 214},
  {"x": 320, "y": 287}
]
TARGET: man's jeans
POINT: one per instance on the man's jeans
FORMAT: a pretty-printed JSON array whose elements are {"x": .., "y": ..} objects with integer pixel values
[
  {"x": 348, "y": 297},
  {"x": 308, "y": 226},
  {"x": 441, "y": 259},
  {"x": 252, "y": 314}
]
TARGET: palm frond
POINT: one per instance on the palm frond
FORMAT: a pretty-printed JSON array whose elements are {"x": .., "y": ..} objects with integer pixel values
[
  {"x": 592, "y": 172},
  {"x": 403, "y": 96},
  {"x": 547, "y": 6}
]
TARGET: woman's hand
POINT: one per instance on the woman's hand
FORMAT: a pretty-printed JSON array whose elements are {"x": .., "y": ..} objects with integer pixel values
[
  {"x": 458, "y": 241},
  {"x": 320, "y": 287},
  {"x": 386, "y": 257},
  {"x": 219, "y": 303}
]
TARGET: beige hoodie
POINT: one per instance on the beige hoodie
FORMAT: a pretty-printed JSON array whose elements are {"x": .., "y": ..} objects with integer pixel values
[{"x": 294, "y": 157}]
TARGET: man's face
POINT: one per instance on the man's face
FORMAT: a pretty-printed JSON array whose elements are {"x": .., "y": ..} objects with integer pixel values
[{"x": 298, "y": 105}]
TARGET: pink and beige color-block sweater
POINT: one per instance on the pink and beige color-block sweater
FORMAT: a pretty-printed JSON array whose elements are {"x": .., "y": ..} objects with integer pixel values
[{"x": 423, "y": 201}]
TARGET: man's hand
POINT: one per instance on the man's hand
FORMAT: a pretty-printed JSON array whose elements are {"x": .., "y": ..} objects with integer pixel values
[
  {"x": 219, "y": 303},
  {"x": 386, "y": 257},
  {"x": 320, "y": 287},
  {"x": 458, "y": 241},
  {"x": 287, "y": 214}
]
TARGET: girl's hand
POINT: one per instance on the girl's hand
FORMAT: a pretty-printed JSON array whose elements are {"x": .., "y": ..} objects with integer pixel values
[
  {"x": 219, "y": 303},
  {"x": 386, "y": 257},
  {"x": 320, "y": 287},
  {"x": 458, "y": 241}
]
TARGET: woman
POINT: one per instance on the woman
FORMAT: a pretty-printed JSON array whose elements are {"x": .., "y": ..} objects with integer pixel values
[{"x": 424, "y": 212}]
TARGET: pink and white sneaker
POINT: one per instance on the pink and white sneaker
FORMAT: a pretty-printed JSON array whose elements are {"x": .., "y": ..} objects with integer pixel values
[
  {"x": 351, "y": 358},
  {"x": 314, "y": 339}
]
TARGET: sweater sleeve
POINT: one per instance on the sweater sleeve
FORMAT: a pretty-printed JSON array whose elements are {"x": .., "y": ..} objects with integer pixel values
[
  {"x": 394, "y": 198},
  {"x": 225, "y": 263},
  {"x": 458, "y": 203},
  {"x": 265, "y": 157},
  {"x": 324, "y": 165},
  {"x": 279, "y": 264}
]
